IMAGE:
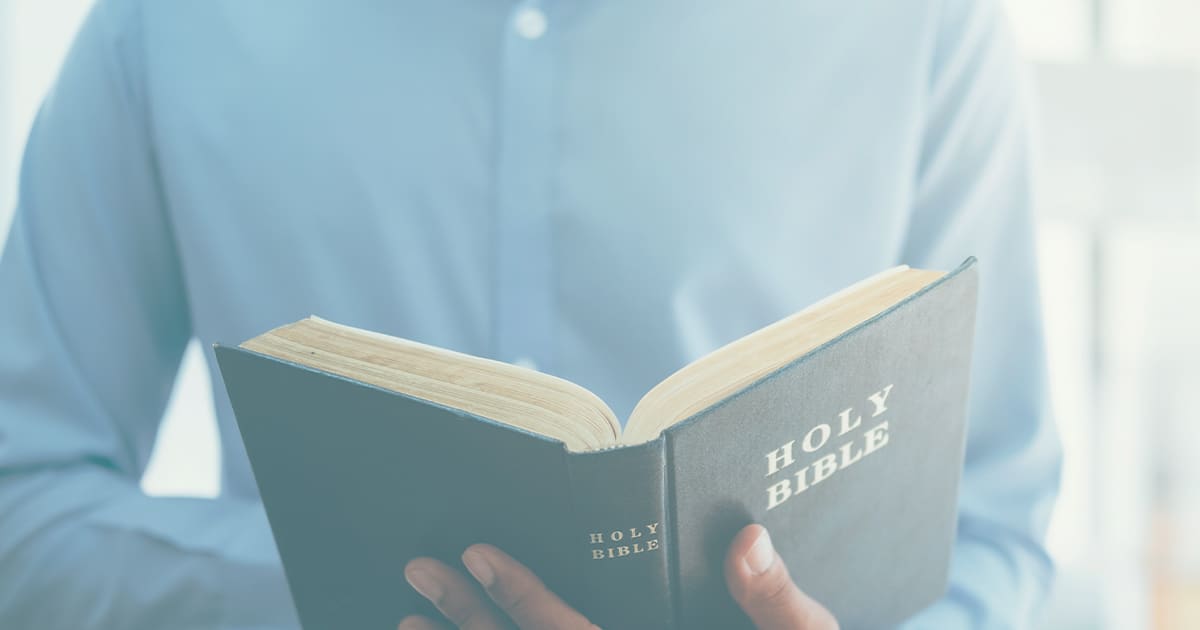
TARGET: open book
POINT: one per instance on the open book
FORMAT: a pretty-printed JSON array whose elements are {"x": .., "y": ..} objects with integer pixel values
[{"x": 839, "y": 427}]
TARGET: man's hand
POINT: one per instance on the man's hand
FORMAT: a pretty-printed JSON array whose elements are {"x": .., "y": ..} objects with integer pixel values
[
  {"x": 759, "y": 582},
  {"x": 514, "y": 595},
  {"x": 506, "y": 594}
]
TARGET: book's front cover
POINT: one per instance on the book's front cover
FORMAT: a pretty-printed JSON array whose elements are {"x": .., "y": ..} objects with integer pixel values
[{"x": 851, "y": 459}]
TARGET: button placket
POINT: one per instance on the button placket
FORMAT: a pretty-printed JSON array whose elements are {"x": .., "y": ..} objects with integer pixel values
[{"x": 523, "y": 266}]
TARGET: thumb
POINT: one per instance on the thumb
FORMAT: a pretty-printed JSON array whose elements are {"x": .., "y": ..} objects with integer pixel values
[{"x": 759, "y": 582}]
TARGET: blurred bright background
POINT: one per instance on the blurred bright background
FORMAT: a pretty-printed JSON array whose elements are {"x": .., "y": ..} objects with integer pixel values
[{"x": 1117, "y": 90}]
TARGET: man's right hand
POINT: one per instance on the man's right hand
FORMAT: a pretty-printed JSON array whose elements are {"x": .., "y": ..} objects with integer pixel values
[{"x": 759, "y": 582}]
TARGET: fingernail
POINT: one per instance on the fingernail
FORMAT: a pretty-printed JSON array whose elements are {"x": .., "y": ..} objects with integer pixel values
[
  {"x": 761, "y": 555},
  {"x": 478, "y": 565},
  {"x": 425, "y": 584}
]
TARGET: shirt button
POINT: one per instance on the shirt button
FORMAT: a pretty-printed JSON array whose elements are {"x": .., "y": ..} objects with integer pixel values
[
  {"x": 526, "y": 362},
  {"x": 530, "y": 22}
]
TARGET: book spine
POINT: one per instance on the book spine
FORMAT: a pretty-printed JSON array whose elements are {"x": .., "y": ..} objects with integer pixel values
[{"x": 619, "y": 536}]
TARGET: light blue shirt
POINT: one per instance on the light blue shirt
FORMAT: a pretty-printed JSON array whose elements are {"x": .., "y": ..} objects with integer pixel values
[{"x": 605, "y": 189}]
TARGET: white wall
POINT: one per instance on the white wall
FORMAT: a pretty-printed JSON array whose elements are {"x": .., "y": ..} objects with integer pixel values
[{"x": 33, "y": 39}]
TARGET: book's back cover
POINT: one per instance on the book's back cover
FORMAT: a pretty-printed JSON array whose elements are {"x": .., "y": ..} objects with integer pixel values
[
  {"x": 357, "y": 481},
  {"x": 850, "y": 457}
]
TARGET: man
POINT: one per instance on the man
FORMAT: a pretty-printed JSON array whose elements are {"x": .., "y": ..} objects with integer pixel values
[{"x": 604, "y": 190}]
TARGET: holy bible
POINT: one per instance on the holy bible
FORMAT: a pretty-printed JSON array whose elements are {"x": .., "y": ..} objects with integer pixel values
[{"x": 839, "y": 428}]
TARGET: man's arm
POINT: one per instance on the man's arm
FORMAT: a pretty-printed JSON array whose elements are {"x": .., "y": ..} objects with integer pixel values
[
  {"x": 974, "y": 197},
  {"x": 93, "y": 320}
]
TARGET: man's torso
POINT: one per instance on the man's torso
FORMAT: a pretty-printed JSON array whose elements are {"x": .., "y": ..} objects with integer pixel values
[{"x": 608, "y": 199}]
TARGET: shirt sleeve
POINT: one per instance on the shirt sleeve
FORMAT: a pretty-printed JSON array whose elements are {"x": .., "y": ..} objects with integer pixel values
[
  {"x": 973, "y": 196},
  {"x": 93, "y": 322}
]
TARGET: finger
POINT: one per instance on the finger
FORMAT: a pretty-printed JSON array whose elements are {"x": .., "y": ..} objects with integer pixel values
[
  {"x": 455, "y": 595},
  {"x": 519, "y": 593},
  {"x": 759, "y": 581},
  {"x": 417, "y": 622}
]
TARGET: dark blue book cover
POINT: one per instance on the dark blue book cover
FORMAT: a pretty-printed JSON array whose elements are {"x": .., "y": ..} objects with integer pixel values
[{"x": 849, "y": 453}]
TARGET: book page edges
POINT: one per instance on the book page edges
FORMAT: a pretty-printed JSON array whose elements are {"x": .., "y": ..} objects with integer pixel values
[
  {"x": 525, "y": 414},
  {"x": 504, "y": 393}
]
